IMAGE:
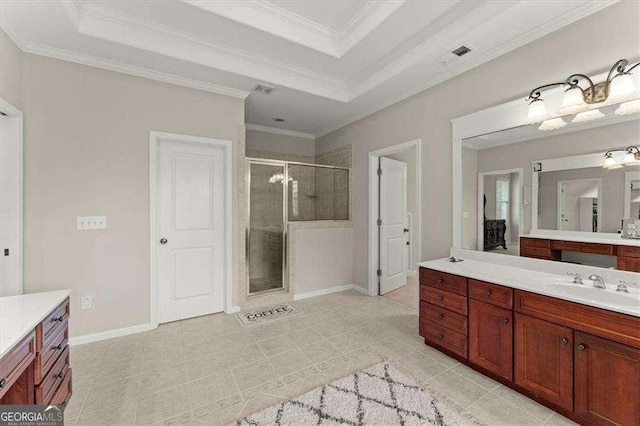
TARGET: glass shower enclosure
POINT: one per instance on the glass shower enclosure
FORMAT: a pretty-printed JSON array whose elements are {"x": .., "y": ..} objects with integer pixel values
[{"x": 281, "y": 192}]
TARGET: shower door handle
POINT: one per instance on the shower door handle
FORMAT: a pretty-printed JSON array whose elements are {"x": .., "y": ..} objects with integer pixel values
[{"x": 163, "y": 241}]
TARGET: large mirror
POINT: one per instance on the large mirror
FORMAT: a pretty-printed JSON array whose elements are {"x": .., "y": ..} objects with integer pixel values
[{"x": 523, "y": 180}]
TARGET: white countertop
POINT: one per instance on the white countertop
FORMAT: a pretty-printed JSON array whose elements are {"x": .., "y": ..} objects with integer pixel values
[
  {"x": 21, "y": 314},
  {"x": 542, "y": 283},
  {"x": 580, "y": 237}
]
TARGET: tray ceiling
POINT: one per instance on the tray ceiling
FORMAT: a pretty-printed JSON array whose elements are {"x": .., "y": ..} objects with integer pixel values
[{"x": 329, "y": 61}]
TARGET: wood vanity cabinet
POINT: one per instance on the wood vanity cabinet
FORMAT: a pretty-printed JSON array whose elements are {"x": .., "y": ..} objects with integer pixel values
[
  {"x": 544, "y": 359},
  {"x": 607, "y": 381},
  {"x": 628, "y": 257},
  {"x": 582, "y": 361}
]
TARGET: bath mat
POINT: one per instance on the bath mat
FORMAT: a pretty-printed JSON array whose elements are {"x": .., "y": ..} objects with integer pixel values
[
  {"x": 379, "y": 395},
  {"x": 267, "y": 314}
]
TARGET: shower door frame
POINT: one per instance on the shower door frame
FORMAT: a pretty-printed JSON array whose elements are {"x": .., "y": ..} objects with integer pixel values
[{"x": 285, "y": 217}]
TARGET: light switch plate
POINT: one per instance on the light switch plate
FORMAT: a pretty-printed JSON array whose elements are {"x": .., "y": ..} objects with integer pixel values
[
  {"x": 92, "y": 222},
  {"x": 86, "y": 302}
]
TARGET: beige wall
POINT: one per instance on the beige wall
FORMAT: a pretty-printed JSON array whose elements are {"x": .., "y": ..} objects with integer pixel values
[
  {"x": 275, "y": 143},
  {"x": 587, "y": 46},
  {"x": 10, "y": 71},
  {"x": 87, "y": 153}
]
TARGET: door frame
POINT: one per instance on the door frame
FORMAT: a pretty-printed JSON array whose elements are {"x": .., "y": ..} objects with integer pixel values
[
  {"x": 16, "y": 115},
  {"x": 155, "y": 138},
  {"x": 629, "y": 177},
  {"x": 480, "y": 203},
  {"x": 373, "y": 243},
  {"x": 560, "y": 200}
]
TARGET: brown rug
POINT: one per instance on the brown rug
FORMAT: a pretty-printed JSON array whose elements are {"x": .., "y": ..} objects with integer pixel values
[{"x": 379, "y": 395}]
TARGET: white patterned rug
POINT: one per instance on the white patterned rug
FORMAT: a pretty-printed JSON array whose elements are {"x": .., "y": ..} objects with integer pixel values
[
  {"x": 266, "y": 314},
  {"x": 379, "y": 395}
]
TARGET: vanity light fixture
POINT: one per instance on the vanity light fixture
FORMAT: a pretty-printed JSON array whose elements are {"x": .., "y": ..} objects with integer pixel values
[
  {"x": 631, "y": 158},
  {"x": 619, "y": 87},
  {"x": 552, "y": 124},
  {"x": 585, "y": 116},
  {"x": 627, "y": 108}
]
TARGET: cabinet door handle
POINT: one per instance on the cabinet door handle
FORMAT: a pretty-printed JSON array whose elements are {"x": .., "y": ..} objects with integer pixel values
[
  {"x": 440, "y": 280},
  {"x": 505, "y": 320},
  {"x": 57, "y": 348},
  {"x": 440, "y": 336},
  {"x": 582, "y": 347},
  {"x": 564, "y": 341},
  {"x": 441, "y": 298},
  {"x": 3, "y": 382},
  {"x": 440, "y": 316},
  {"x": 59, "y": 375},
  {"x": 487, "y": 293}
]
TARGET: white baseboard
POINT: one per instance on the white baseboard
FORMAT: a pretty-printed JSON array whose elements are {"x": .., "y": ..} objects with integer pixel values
[
  {"x": 96, "y": 337},
  {"x": 322, "y": 292},
  {"x": 232, "y": 310},
  {"x": 357, "y": 288}
]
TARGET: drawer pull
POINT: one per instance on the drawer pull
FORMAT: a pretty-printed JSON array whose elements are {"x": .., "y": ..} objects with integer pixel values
[
  {"x": 3, "y": 382},
  {"x": 582, "y": 347},
  {"x": 440, "y": 316},
  {"x": 440, "y": 297},
  {"x": 57, "y": 348},
  {"x": 505, "y": 320},
  {"x": 59, "y": 375},
  {"x": 440, "y": 336},
  {"x": 487, "y": 293},
  {"x": 440, "y": 280},
  {"x": 60, "y": 318},
  {"x": 564, "y": 341}
]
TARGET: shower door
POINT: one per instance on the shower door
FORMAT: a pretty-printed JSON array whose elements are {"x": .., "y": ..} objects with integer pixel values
[{"x": 266, "y": 231}]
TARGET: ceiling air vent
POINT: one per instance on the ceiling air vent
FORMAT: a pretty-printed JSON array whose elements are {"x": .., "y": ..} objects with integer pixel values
[
  {"x": 461, "y": 51},
  {"x": 263, "y": 89}
]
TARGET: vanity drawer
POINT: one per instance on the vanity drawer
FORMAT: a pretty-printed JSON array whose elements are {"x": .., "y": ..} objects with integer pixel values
[
  {"x": 63, "y": 394},
  {"x": 629, "y": 251},
  {"x": 629, "y": 264},
  {"x": 610, "y": 325},
  {"x": 535, "y": 242},
  {"x": 52, "y": 324},
  {"x": 540, "y": 253},
  {"x": 444, "y": 299},
  {"x": 50, "y": 383},
  {"x": 436, "y": 315},
  {"x": 448, "y": 282},
  {"x": 605, "y": 249},
  {"x": 16, "y": 361},
  {"x": 491, "y": 293},
  {"x": 441, "y": 336},
  {"x": 51, "y": 350}
]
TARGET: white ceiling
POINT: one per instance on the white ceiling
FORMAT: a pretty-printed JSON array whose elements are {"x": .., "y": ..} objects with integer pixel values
[{"x": 331, "y": 62}]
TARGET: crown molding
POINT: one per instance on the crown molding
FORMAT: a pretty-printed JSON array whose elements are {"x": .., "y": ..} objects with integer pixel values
[
  {"x": 118, "y": 27},
  {"x": 367, "y": 19},
  {"x": 514, "y": 43},
  {"x": 266, "y": 129},
  {"x": 79, "y": 58}
]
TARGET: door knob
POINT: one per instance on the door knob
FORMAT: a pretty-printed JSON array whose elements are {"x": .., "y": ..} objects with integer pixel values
[{"x": 164, "y": 241}]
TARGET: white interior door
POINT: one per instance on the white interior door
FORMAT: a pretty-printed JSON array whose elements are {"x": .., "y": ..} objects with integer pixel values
[
  {"x": 191, "y": 230},
  {"x": 10, "y": 207},
  {"x": 393, "y": 213}
]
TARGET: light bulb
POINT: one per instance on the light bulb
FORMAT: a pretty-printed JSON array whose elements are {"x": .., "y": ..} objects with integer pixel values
[
  {"x": 609, "y": 161},
  {"x": 627, "y": 108},
  {"x": 553, "y": 124},
  {"x": 585, "y": 116},
  {"x": 537, "y": 111},
  {"x": 630, "y": 159},
  {"x": 573, "y": 102},
  {"x": 621, "y": 89}
]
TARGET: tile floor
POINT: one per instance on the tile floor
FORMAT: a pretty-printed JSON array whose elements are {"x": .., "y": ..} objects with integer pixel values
[
  {"x": 210, "y": 370},
  {"x": 406, "y": 295}
]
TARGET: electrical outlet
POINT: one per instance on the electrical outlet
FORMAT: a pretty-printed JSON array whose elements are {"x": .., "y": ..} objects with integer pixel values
[
  {"x": 86, "y": 302},
  {"x": 91, "y": 222}
]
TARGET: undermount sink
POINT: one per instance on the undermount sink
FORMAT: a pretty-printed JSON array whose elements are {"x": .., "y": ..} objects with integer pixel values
[{"x": 601, "y": 295}]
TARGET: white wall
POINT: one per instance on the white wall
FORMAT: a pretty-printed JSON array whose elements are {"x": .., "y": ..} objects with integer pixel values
[
  {"x": 10, "y": 71},
  {"x": 323, "y": 258},
  {"x": 427, "y": 115},
  {"x": 272, "y": 142},
  {"x": 87, "y": 153}
]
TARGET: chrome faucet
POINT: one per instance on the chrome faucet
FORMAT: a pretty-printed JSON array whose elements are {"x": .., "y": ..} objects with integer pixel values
[
  {"x": 622, "y": 286},
  {"x": 598, "y": 281},
  {"x": 577, "y": 279}
]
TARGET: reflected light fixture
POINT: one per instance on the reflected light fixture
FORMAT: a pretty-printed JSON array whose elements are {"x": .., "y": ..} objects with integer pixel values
[
  {"x": 631, "y": 158},
  {"x": 552, "y": 124},
  {"x": 627, "y": 108},
  {"x": 618, "y": 87},
  {"x": 590, "y": 115}
]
